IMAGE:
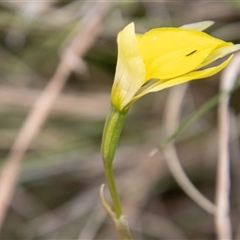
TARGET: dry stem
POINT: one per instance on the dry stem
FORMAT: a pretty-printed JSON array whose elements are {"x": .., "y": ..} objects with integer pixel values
[{"x": 222, "y": 220}]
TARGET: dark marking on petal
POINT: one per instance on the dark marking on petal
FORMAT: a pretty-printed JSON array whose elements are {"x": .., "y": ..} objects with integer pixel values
[{"x": 191, "y": 53}]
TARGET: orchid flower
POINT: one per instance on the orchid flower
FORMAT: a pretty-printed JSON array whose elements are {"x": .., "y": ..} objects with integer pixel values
[
  {"x": 164, "y": 57},
  {"x": 150, "y": 62}
]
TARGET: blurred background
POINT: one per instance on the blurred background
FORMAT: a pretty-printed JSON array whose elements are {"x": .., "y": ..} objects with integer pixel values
[{"x": 64, "y": 53}]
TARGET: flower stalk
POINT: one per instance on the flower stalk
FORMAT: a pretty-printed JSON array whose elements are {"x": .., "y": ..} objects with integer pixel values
[{"x": 111, "y": 134}]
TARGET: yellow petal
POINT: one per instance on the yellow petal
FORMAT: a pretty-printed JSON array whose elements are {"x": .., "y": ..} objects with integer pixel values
[
  {"x": 158, "y": 85},
  {"x": 223, "y": 51},
  {"x": 200, "y": 26},
  {"x": 130, "y": 70},
  {"x": 171, "y": 52}
]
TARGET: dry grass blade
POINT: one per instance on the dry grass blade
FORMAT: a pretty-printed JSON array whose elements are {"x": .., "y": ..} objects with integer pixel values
[
  {"x": 87, "y": 32},
  {"x": 168, "y": 230},
  {"x": 172, "y": 113},
  {"x": 72, "y": 210},
  {"x": 93, "y": 224},
  {"x": 23, "y": 98},
  {"x": 222, "y": 221}
]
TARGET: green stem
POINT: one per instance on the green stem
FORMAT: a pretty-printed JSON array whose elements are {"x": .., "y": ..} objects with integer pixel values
[
  {"x": 113, "y": 189},
  {"x": 111, "y": 134}
]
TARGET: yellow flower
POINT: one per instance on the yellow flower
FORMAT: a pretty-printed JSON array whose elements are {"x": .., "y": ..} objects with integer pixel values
[{"x": 162, "y": 58}]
